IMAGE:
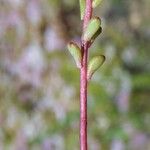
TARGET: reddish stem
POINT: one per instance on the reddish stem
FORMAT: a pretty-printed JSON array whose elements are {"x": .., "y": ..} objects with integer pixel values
[{"x": 83, "y": 81}]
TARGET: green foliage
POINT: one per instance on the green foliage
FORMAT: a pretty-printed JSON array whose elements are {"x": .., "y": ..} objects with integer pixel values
[
  {"x": 96, "y": 3},
  {"x": 82, "y": 8},
  {"x": 96, "y": 35},
  {"x": 94, "y": 64},
  {"x": 76, "y": 53},
  {"x": 92, "y": 30}
]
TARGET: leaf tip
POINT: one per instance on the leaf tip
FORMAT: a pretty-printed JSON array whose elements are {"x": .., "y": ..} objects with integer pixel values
[{"x": 95, "y": 3}]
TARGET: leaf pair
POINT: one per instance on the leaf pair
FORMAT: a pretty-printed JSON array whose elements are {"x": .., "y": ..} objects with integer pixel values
[
  {"x": 95, "y": 3},
  {"x": 92, "y": 30},
  {"x": 94, "y": 63}
]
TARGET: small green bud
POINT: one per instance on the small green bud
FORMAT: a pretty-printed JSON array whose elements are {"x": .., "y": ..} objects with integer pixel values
[
  {"x": 76, "y": 53},
  {"x": 94, "y": 64},
  {"x": 95, "y": 3},
  {"x": 91, "y": 29},
  {"x": 82, "y": 8}
]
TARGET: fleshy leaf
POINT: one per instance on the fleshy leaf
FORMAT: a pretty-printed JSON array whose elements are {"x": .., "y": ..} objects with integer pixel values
[
  {"x": 75, "y": 52},
  {"x": 82, "y": 8},
  {"x": 96, "y": 35},
  {"x": 95, "y": 3},
  {"x": 92, "y": 28},
  {"x": 94, "y": 64}
]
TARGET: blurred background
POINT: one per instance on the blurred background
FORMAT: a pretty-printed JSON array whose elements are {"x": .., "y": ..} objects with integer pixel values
[{"x": 39, "y": 82}]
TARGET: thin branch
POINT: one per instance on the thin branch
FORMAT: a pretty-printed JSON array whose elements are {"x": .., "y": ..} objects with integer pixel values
[{"x": 83, "y": 81}]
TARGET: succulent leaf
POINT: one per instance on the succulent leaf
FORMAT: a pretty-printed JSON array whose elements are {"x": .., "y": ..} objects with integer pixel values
[
  {"x": 76, "y": 53},
  {"x": 96, "y": 35},
  {"x": 82, "y": 8},
  {"x": 94, "y": 64},
  {"x": 95, "y": 3},
  {"x": 92, "y": 28}
]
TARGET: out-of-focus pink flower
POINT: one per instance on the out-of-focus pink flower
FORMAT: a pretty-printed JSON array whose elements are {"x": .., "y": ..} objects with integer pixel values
[
  {"x": 31, "y": 65},
  {"x": 52, "y": 40},
  {"x": 34, "y": 11}
]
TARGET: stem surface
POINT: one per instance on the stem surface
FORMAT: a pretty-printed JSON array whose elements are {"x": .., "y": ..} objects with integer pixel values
[{"x": 83, "y": 81}]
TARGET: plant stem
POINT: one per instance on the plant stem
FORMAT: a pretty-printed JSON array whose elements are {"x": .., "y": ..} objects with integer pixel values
[{"x": 83, "y": 81}]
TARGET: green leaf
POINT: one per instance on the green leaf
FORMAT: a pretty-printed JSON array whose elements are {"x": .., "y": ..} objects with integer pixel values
[
  {"x": 94, "y": 64},
  {"x": 95, "y": 3},
  {"x": 92, "y": 28},
  {"x": 82, "y": 8},
  {"x": 96, "y": 35},
  {"x": 75, "y": 52}
]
